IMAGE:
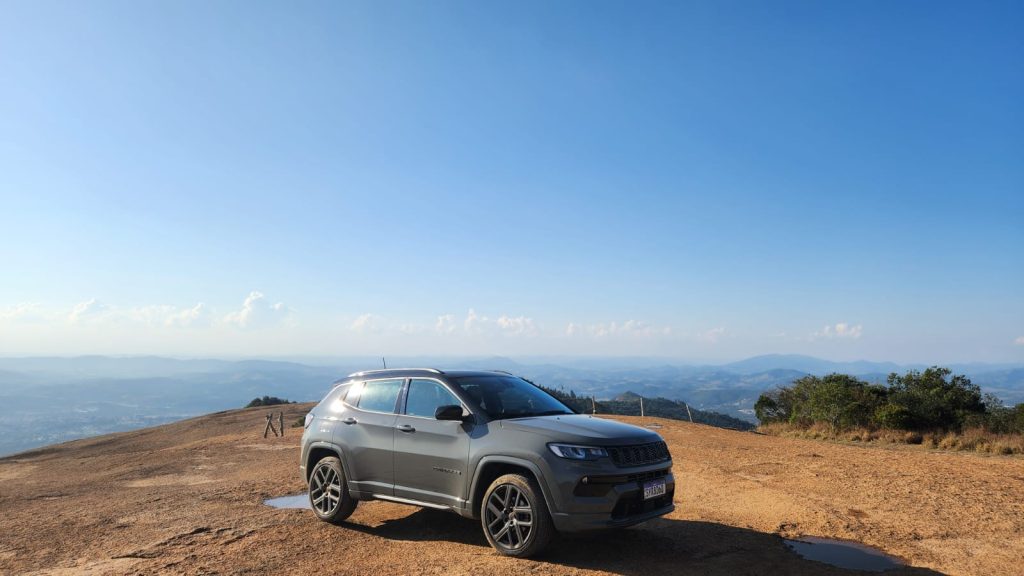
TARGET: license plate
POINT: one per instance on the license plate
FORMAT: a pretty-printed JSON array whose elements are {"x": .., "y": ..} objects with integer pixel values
[{"x": 653, "y": 489}]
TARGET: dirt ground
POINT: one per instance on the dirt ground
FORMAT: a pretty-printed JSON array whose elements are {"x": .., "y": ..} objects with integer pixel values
[{"x": 186, "y": 498}]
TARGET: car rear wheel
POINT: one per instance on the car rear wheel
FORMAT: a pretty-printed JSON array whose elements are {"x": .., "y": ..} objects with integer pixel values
[
  {"x": 328, "y": 491},
  {"x": 515, "y": 517}
]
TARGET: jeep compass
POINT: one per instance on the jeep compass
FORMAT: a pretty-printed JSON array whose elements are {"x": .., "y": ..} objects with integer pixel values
[{"x": 486, "y": 445}]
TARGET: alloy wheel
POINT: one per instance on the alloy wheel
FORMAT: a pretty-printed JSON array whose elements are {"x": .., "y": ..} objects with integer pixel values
[
  {"x": 325, "y": 490},
  {"x": 509, "y": 517}
]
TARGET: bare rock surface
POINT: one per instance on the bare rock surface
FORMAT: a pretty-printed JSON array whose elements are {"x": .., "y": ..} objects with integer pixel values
[{"x": 187, "y": 498}]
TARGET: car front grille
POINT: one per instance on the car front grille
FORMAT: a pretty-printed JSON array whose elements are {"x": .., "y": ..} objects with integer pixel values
[
  {"x": 646, "y": 476},
  {"x": 601, "y": 485},
  {"x": 639, "y": 454}
]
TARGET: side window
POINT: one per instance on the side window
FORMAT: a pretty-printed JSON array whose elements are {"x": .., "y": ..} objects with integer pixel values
[
  {"x": 376, "y": 395},
  {"x": 425, "y": 396},
  {"x": 338, "y": 396}
]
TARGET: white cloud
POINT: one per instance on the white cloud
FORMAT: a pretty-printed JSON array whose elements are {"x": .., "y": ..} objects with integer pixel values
[
  {"x": 1019, "y": 341},
  {"x": 520, "y": 325},
  {"x": 629, "y": 327},
  {"x": 474, "y": 323},
  {"x": 477, "y": 324},
  {"x": 86, "y": 310},
  {"x": 367, "y": 323},
  {"x": 412, "y": 329},
  {"x": 257, "y": 311},
  {"x": 445, "y": 324},
  {"x": 839, "y": 330},
  {"x": 26, "y": 311},
  {"x": 194, "y": 316},
  {"x": 712, "y": 335},
  {"x": 152, "y": 315},
  {"x": 626, "y": 329}
]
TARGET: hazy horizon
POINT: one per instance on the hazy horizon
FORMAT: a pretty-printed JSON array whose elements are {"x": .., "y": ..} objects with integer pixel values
[{"x": 442, "y": 360}]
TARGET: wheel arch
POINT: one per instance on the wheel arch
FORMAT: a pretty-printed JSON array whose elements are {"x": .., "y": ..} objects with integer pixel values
[
  {"x": 491, "y": 467},
  {"x": 320, "y": 450}
]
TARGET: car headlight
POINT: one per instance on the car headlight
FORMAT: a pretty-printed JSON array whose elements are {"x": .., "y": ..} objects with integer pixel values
[
  {"x": 309, "y": 418},
  {"x": 574, "y": 452}
]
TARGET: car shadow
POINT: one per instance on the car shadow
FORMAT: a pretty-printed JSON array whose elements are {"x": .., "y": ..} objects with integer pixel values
[{"x": 661, "y": 546}]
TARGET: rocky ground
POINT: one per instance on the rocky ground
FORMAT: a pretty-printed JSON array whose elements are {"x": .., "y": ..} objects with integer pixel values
[{"x": 187, "y": 498}]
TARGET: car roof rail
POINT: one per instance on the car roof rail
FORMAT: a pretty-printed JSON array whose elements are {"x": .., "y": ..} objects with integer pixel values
[
  {"x": 365, "y": 372},
  {"x": 503, "y": 372}
]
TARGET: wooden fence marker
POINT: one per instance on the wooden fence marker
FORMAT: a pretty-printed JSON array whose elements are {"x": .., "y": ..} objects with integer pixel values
[{"x": 270, "y": 426}]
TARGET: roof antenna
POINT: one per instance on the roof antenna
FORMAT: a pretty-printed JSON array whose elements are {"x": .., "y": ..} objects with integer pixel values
[{"x": 385, "y": 362}]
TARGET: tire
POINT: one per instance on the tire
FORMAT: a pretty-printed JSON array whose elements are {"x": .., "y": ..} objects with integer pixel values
[
  {"x": 515, "y": 517},
  {"x": 328, "y": 492}
]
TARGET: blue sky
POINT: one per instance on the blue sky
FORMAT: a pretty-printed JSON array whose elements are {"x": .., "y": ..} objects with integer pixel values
[{"x": 698, "y": 180}]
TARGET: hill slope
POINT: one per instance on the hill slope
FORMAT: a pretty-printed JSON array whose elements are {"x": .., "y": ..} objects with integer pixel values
[{"x": 186, "y": 498}]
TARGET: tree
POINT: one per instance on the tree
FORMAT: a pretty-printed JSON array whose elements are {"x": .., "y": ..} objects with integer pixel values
[
  {"x": 768, "y": 408},
  {"x": 267, "y": 401},
  {"x": 933, "y": 399},
  {"x": 842, "y": 401}
]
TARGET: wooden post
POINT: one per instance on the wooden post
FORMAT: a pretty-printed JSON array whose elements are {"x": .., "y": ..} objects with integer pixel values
[
  {"x": 641, "y": 409},
  {"x": 280, "y": 421},
  {"x": 269, "y": 426},
  {"x": 593, "y": 405},
  {"x": 688, "y": 411}
]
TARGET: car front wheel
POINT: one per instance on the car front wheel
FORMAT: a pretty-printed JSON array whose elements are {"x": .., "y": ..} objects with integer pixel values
[{"x": 515, "y": 517}]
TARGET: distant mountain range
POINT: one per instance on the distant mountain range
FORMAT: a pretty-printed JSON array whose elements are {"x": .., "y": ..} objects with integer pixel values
[{"x": 51, "y": 399}]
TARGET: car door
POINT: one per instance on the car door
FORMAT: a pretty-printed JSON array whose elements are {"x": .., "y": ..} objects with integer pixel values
[
  {"x": 366, "y": 434},
  {"x": 430, "y": 455}
]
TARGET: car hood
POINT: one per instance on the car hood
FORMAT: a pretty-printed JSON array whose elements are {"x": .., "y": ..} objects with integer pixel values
[{"x": 582, "y": 428}]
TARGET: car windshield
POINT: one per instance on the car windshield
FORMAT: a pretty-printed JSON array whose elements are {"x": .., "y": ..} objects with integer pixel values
[{"x": 503, "y": 397}]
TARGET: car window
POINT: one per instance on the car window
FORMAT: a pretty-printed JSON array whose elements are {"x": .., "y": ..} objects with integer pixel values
[
  {"x": 425, "y": 396},
  {"x": 509, "y": 397},
  {"x": 335, "y": 398},
  {"x": 376, "y": 395}
]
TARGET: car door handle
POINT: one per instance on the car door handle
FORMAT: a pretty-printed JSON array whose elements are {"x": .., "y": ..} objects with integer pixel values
[
  {"x": 405, "y": 428},
  {"x": 349, "y": 420}
]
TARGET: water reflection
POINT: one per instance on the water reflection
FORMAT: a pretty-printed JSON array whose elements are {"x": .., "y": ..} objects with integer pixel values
[
  {"x": 300, "y": 501},
  {"x": 844, "y": 554}
]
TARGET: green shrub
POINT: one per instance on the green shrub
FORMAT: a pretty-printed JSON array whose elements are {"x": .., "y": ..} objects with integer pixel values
[
  {"x": 267, "y": 401},
  {"x": 935, "y": 399}
]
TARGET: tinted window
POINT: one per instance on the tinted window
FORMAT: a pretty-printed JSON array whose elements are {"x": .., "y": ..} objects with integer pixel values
[
  {"x": 425, "y": 396},
  {"x": 376, "y": 395},
  {"x": 509, "y": 397}
]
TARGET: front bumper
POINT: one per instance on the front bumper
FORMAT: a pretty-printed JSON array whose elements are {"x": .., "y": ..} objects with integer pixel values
[
  {"x": 612, "y": 499},
  {"x": 595, "y": 522}
]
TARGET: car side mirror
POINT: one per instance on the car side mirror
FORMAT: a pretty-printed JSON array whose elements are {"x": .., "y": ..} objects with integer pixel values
[{"x": 449, "y": 412}]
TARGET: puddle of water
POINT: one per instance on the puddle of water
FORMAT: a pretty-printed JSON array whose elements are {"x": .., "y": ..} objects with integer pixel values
[
  {"x": 300, "y": 501},
  {"x": 844, "y": 554}
]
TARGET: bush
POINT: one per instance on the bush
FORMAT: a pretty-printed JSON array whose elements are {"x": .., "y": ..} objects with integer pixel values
[
  {"x": 267, "y": 401},
  {"x": 934, "y": 399},
  {"x": 892, "y": 416},
  {"x": 913, "y": 438},
  {"x": 836, "y": 400}
]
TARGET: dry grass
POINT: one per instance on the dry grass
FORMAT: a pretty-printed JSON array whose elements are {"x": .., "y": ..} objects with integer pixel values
[{"x": 971, "y": 440}]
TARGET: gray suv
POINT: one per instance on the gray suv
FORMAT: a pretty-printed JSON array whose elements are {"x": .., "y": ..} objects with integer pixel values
[{"x": 486, "y": 445}]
